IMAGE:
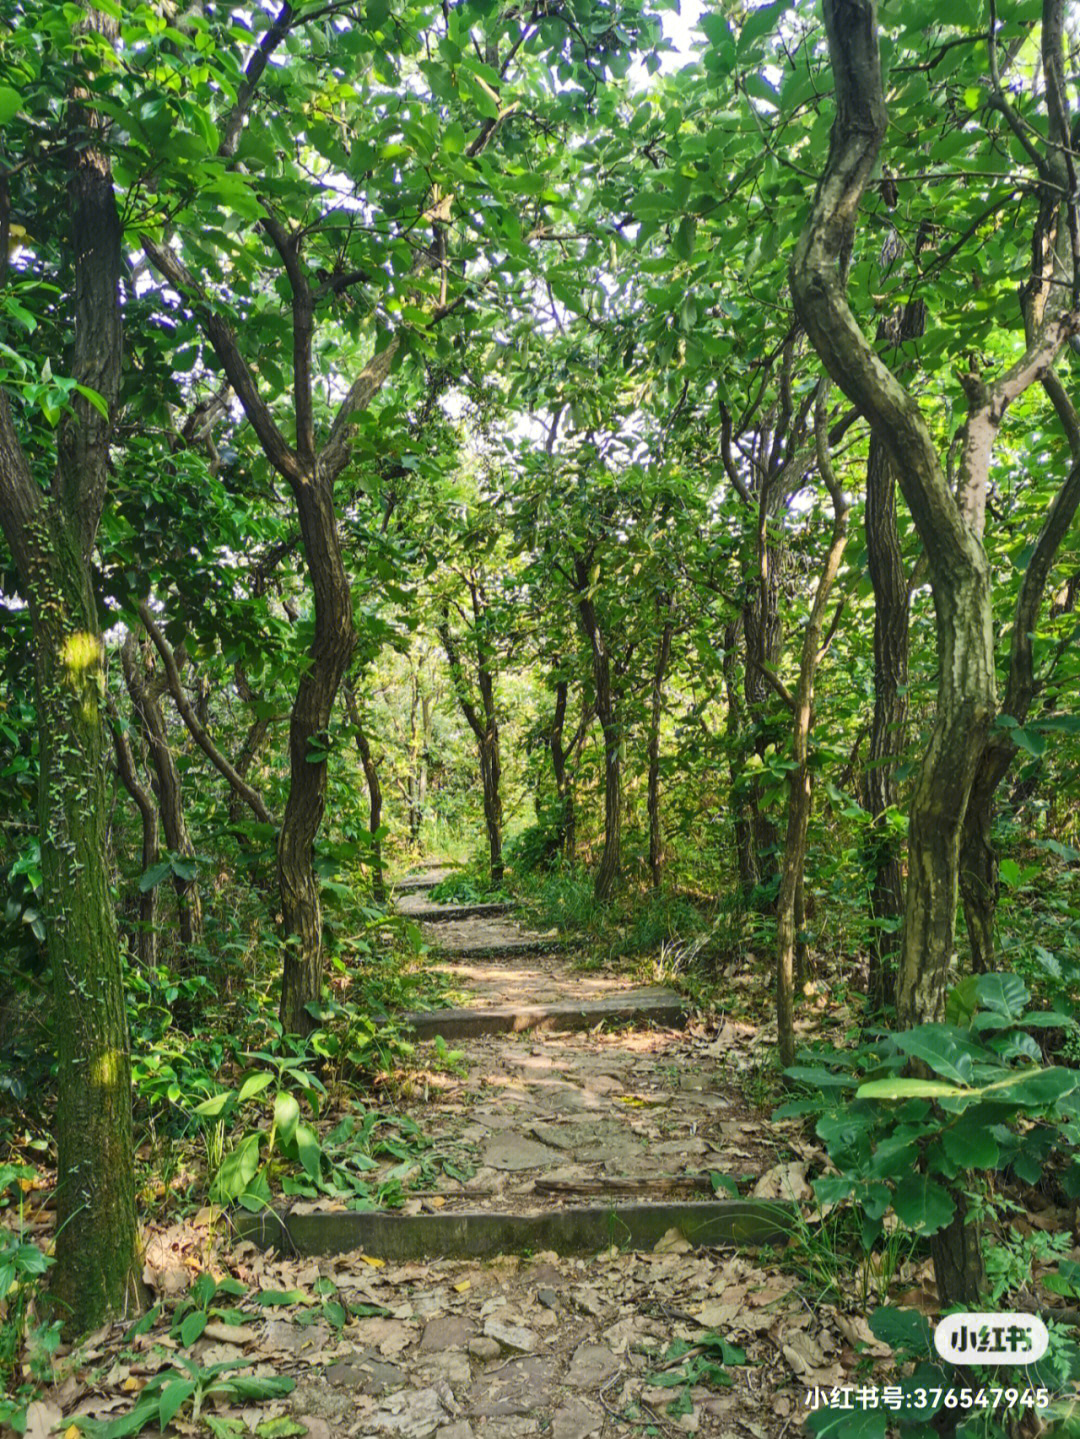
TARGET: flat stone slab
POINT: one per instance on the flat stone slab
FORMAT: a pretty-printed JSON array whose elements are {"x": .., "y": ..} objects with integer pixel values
[
  {"x": 636, "y": 1007},
  {"x": 585, "y": 1229},
  {"x": 447, "y": 913}
]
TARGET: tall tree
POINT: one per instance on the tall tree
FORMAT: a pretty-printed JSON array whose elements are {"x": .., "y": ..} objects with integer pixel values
[
  {"x": 950, "y": 525},
  {"x": 51, "y": 533}
]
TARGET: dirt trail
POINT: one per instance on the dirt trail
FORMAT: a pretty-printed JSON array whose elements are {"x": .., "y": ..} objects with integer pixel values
[{"x": 549, "y": 1343}]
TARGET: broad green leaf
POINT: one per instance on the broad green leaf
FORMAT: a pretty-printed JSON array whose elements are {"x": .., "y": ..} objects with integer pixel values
[
  {"x": 310, "y": 1151},
  {"x": 904, "y": 1330},
  {"x": 10, "y": 103},
  {"x": 939, "y": 1047},
  {"x": 286, "y": 1116},
  {"x": 900, "y": 1088},
  {"x": 922, "y": 1204},
  {"x": 970, "y": 1147},
  {"x": 191, "y": 1326},
  {"x": 1005, "y": 994},
  {"x": 212, "y": 1107},
  {"x": 254, "y": 1084}
]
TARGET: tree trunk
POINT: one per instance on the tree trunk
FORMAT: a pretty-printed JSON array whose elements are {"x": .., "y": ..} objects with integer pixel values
[
  {"x": 484, "y": 724},
  {"x": 607, "y": 875},
  {"x": 146, "y": 926},
  {"x": 144, "y": 699},
  {"x": 890, "y": 719},
  {"x": 51, "y": 537},
  {"x": 331, "y": 650},
  {"x": 800, "y": 779},
  {"x": 252, "y": 743},
  {"x": 978, "y": 858},
  {"x": 745, "y": 853},
  {"x": 375, "y": 797},
  {"x": 663, "y": 655},
  {"x": 887, "y": 734}
]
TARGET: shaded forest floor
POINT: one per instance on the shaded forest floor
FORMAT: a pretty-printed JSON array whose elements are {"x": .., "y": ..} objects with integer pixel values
[{"x": 666, "y": 1340}]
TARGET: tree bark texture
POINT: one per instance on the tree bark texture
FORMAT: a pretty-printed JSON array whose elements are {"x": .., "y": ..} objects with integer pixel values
[
  {"x": 889, "y": 722},
  {"x": 888, "y": 728},
  {"x": 51, "y": 537},
  {"x": 329, "y": 656}
]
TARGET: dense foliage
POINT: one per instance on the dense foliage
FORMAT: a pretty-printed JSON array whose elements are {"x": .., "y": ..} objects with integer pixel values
[{"x": 637, "y": 459}]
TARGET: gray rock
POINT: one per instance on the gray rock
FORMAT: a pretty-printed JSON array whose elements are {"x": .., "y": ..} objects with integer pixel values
[
  {"x": 484, "y": 1349},
  {"x": 575, "y": 1420},
  {"x": 548, "y": 1298},
  {"x": 370, "y": 1376},
  {"x": 591, "y": 1366},
  {"x": 523, "y": 1387},
  {"x": 514, "y": 1151},
  {"x": 460, "y": 1429},
  {"x": 413, "y": 1414},
  {"x": 451, "y": 1332},
  {"x": 511, "y": 1336}
]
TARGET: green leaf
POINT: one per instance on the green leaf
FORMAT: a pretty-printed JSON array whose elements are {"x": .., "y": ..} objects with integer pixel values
[
  {"x": 905, "y": 1330},
  {"x": 286, "y": 1116},
  {"x": 254, "y": 1084},
  {"x": 191, "y": 1327},
  {"x": 1009, "y": 872},
  {"x": 212, "y": 1107},
  {"x": 971, "y": 1148},
  {"x": 280, "y": 1428},
  {"x": 759, "y": 23},
  {"x": 92, "y": 397},
  {"x": 972, "y": 97},
  {"x": 962, "y": 1002},
  {"x": 10, "y": 103},
  {"x": 237, "y": 1170},
  {"x": 923, "y": 1204},
  {"x": 938, "y": 1046},
  {"x": 685, "y": 237},
  {"x": 272, "y": 1298},
  {"x": 907, "y": 1089},
  {"x": 154, "y": 875},
  {"x": 310, "y": 1151},
  {"x": 1005, "y": 994}
]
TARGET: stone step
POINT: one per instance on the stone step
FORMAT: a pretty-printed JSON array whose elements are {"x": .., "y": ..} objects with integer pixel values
[
  {"x": 661, "y": 1007},
  {"x": 493, "y": 948},
  {"x": 471, "y": 1234},
  {"x": 447, "y": 913}
]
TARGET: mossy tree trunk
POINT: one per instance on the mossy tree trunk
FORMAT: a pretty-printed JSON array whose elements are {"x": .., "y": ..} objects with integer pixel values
[{"x": 51, "y": 535}]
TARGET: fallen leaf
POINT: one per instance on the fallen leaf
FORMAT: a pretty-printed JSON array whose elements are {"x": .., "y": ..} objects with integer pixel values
[{"x": 672, "y": 1242}]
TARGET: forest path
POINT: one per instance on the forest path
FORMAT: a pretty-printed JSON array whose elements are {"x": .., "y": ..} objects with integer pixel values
[
  {"x": 565, "y": 1272},
  {"x": 568, "y": 1299}
]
